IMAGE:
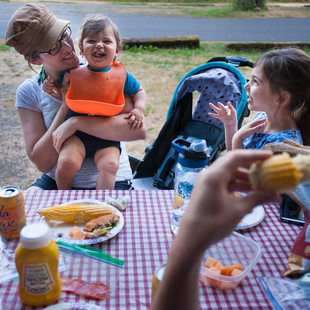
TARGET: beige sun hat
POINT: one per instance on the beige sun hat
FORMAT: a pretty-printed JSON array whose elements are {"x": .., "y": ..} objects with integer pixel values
[{"x": 33, "y": 27}]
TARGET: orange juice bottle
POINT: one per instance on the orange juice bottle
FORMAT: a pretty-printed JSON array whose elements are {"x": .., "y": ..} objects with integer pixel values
[{"x": 36, "y": 259}]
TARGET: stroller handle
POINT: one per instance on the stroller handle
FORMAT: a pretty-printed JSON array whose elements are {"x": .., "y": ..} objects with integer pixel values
[{"x": 236, "y": 61}]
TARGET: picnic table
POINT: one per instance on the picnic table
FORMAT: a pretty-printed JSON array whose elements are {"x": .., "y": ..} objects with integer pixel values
[{"x": 143, "y": 244}]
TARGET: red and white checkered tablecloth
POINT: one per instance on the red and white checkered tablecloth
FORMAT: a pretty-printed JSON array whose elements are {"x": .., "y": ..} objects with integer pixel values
[{"x": 144, "y": 244}]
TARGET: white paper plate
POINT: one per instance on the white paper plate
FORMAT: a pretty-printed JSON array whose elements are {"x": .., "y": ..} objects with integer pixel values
[
  {"x": 252, "y": 219},
  {"x": 60, "y": 230}
]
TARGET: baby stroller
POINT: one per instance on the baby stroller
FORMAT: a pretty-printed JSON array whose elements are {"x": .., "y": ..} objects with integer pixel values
[{"x": 217, "y": 80}]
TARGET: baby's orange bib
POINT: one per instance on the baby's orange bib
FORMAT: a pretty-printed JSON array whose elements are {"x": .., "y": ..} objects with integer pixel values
[{"x": 97, "y": 93}]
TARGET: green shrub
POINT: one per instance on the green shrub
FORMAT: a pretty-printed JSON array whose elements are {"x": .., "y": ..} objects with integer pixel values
[{"x": 249, "y": 5}]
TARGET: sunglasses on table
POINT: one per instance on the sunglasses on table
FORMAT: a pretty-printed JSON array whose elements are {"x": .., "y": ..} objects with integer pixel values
[{"x": 66, "y": 35}]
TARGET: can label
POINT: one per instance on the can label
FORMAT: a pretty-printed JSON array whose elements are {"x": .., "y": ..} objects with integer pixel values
[
  {"x": 157, "y": 277},
  {"x": 12, "y": 212}
]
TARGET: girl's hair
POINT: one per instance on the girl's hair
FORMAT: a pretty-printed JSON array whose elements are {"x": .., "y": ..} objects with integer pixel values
[
  {"x": 289, "y": 69},
  {"x": 94, "y": 23}
]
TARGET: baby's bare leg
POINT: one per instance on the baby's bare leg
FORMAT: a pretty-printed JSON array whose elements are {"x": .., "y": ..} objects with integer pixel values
[
  {"x": 69, "y": 162},
  {"x": 107, "y": 161}
]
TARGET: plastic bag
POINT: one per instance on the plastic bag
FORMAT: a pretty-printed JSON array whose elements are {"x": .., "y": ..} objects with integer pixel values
[
  {"x": 8, "y": 270},
  {"x": 287, "y": 294},
  {"x": 82, "y": 262},
  {"x": 91, "y": 265},
  {"x": 7, "y": 263}
]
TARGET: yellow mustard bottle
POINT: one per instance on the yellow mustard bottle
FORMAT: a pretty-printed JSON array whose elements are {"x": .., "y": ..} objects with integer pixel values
[{"x": 36, "y": 259}]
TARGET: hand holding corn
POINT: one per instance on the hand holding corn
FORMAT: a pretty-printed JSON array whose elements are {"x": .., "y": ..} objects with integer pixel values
[
  {"x": 79, "y": 213},
  {"x": 280, "y": 172}
]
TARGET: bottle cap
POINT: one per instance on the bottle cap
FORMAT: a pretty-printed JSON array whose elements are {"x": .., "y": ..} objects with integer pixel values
[
  {"x": 190, "y": 163},
  {"x": 199, "y": 146},
  {"x": 34, "y": 236}
]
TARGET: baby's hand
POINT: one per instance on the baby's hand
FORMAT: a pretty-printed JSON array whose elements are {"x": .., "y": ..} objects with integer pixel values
[
  {"x": 65, "y": 84},
  {"x": 52, "y": 88},
  {"x": 135, "y": 118},
  {"x": 226, "y": 114}
]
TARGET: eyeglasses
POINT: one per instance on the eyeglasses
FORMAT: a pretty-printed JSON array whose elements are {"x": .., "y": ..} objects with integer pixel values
[{"x": 66, "y": 35}]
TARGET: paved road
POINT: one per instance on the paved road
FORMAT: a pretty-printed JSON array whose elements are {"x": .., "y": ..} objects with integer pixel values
[{"x": 146, "y": 26}]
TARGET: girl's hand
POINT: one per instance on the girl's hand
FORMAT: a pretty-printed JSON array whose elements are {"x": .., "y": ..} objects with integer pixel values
[
  {"x": 227, "y": 114},
  {"x": 247, "y": 130},
  {"x": 135, "y": 118}
]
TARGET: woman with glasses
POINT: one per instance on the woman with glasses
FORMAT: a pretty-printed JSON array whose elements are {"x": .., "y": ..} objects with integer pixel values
[{"x": 45, "y": 40}]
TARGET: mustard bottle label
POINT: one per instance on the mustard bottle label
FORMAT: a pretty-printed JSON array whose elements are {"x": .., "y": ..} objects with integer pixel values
[{"x": 37, "y": 279}]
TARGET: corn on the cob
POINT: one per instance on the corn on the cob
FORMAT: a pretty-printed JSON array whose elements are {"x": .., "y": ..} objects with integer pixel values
[
  {"x": 303, "y": 163},
  {"x": 79, "y": 213},
  {"x": 279, "y": 172}
]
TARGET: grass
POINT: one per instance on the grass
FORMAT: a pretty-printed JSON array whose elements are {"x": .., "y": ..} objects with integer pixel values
[
  {"x": 199, "y": 8},
  {"x": 207, "y": 9}
]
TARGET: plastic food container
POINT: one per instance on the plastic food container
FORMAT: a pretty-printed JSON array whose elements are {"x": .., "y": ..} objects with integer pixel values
[{"x": 233, "y": 249}]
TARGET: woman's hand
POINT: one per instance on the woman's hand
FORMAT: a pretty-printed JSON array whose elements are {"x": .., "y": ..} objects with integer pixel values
[
  {"x": 211, "y": 214},
  {"x": 212, "y": 210},
  {"x": 62, "y": 133}
]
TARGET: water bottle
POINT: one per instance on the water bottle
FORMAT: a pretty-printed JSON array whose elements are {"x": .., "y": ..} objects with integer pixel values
[{"x": 191, "y": 160}]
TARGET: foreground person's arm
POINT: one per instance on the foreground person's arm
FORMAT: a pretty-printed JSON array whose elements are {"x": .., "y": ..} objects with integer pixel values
[{"x": 212, "y": 214}]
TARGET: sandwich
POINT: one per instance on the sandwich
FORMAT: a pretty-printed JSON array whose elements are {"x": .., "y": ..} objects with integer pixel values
[
  {"x": 100, "y": 226},
  {"x": 95, "y": 228}
]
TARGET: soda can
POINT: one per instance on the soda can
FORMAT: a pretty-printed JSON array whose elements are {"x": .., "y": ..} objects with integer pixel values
[
  {"x": 12, "y": 212},
  {"x": 157, "y": 277}
]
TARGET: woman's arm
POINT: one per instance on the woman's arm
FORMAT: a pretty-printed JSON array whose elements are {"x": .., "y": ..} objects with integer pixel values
[
  {"x": 114, "y": 128},
  {"x": 212, "y": 214},
  {"x": 110, "y": 128},
  {"x": 38, "y": 140}
]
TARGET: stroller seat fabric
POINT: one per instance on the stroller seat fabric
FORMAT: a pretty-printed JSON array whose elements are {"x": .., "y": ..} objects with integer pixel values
[{"x": 214, "y": 85}]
